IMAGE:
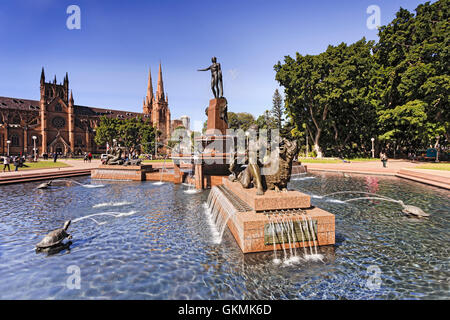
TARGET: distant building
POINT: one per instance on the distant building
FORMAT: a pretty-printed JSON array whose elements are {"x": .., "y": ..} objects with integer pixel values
[
  {"x": 157, "y": 107},
  {"x": 60, "y": 125}
]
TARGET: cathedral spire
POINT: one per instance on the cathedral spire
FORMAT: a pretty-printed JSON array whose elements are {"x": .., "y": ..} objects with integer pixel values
[
  {"x": 42, "y": 76},
  {"x": 160, "y": 88},
  {"x": 149, "y": 87}
]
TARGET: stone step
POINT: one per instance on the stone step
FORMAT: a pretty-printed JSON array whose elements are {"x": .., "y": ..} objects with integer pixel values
[{"x": 43, "y": 176}]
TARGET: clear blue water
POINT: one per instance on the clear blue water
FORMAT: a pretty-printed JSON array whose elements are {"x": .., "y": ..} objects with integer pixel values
[{"x": 164, "y": 250}]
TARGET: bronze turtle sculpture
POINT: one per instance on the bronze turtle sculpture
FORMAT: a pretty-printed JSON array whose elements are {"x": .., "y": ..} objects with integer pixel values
[
  {"x": 54, "y": 238},
  {"x": 413, "y": 210},
  {"x": 45, "y": 185}
]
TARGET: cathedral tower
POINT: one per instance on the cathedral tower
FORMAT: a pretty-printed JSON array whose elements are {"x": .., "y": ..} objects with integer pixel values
[{"x": 157, "y": 106}]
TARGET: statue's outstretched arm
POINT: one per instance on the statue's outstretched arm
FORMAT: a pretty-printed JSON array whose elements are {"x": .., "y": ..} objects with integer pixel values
[{"x": 206, "y": 69}]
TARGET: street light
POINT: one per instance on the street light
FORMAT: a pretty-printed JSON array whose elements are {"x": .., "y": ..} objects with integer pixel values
[
  {"x": 156, "y": 145},
  {"x": 373, "y": 149},
  {"x": 34, "y": 149},
  {"x": 8, "y": 142},
  {"x": 437, "y": 148}
]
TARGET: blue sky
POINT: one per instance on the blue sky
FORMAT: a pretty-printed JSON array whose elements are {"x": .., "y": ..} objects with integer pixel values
[{"x": 108, "y": 59}]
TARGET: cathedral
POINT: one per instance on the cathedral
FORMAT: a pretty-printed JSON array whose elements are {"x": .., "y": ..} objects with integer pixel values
[{"x": 54, "y": 123}]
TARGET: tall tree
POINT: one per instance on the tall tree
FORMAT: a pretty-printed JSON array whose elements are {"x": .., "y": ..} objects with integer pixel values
[
  {"x": 133, "y": 133},
  {"x": 327, "y": 95},
  {"x": 266, "y": 121},
  {"x": 413, "y": 54},
  {"x": 240, "y": 120},
  {"x": 278, "y": 109}
]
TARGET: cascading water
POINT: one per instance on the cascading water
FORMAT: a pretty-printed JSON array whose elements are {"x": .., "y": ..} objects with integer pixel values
[
  {"x": 160, "y": 182},
  {"x": 219, "y": 210},
  {"x": 282, "y": 230},
  {"x": 272, "y": 230},
  {"x": 310, "y": 229},
  {"x": 191, "y": 186},
  {"x": 298, "y": 170}
]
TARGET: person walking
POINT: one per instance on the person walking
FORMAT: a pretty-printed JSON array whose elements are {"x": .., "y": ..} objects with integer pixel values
[
  {"x": 85, "y": 157},
  {"x": 90, "y": 157},
  {"x": 16, "y": 163},
  {"x": 383, "y": 158},
  {"x": 6, "y": 161},
  {"x": 55, "y": 156}
]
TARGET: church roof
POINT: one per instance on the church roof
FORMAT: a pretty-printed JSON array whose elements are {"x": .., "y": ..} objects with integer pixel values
[
  {"x": 33, "y": 105},
  {"x": 18, "y": 103}
]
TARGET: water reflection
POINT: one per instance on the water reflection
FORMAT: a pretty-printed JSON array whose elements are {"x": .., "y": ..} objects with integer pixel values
[{"x": 165, "y": 249}]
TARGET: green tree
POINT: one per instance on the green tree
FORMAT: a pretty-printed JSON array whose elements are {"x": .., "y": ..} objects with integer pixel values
[
  {"x": 240, "y": 120},
  {"x": 414, "y": 82},
  {"x": 278, "y": 109},
  {"x": 266, "y": 121},
  {"x": 327, "y": 96},
  {"x": 133, "y": 133}
]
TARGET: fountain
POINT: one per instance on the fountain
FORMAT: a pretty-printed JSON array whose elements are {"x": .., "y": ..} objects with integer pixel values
[
  {"x": 117, "y": 168},
  {"x": 408, "y": 209},
  {"x": 51, "y": 183},
  {"x": 249, "y": 212}
]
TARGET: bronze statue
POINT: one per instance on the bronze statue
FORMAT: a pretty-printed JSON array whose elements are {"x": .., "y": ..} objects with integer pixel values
[
  {"x": 115, "y": 158},
  {"x": 216, "y": 78},
  {"x": 251, "y": 176},
  {"x": 54, "y": 238}
]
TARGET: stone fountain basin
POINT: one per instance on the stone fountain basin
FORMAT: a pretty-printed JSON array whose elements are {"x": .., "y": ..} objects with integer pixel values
[{"x": 250, "y": 228}]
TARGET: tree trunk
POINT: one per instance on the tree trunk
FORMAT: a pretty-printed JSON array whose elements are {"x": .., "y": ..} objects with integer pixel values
[{"x": 316, "y": 144}]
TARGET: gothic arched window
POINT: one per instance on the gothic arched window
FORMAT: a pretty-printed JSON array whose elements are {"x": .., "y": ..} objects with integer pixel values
[
  {"x": 58, "y": 107},
  {"x": 15, "y": 142}
]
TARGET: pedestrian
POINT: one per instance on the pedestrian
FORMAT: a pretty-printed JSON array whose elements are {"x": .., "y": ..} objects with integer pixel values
[
  {"x": 22, "y": 161},
  {"x": 383, "y": 158},
  {"x": 55, "y": 156},
  {"x": 6, "y": 164},
  {"x": 16, "y": 163},
  {"x": 90, "y": 156},
  {"x": 85, "y": 157}
]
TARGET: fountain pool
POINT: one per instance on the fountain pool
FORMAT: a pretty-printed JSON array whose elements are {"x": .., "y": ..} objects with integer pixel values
[{"x": 156, "y": 243}]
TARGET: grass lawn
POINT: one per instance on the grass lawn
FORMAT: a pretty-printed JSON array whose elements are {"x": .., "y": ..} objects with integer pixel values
[
  {"x": 435, "y": 166},
  {"x": 159, "y": 160},
  {"x": 303, "y": 160},
  {"x": 42, "y": 164}
]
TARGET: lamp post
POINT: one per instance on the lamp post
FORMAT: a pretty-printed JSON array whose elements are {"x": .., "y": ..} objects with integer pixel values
[
  {"x": 34, "y": 147},
  {"x": 437, "y": 148},
  {"x": 8, "y": 142},
  {"x": 373, "y": 149},
  {"x": 156, "y": 145}
]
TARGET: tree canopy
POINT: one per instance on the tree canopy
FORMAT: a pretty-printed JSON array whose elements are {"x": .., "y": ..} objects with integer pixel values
[
  {"x": 394, "y": 90},
  {"x": 133, "y": 133}
]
